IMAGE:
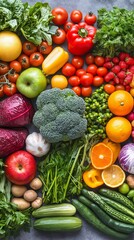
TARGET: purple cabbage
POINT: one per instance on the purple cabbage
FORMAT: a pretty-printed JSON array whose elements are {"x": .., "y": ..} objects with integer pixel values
[{"x": 126, "y": 158}]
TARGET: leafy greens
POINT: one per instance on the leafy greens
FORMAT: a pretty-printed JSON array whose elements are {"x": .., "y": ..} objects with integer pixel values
[
  {"x": 115, "y": 32},
  {"x": 33, "y": 22}
]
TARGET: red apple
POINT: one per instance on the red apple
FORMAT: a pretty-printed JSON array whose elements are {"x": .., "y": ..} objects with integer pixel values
[{"x": 20, "y": 167}]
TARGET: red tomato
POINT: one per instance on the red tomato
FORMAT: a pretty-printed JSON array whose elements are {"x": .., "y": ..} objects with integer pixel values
[
  {"x": 109, "y": 88},
  {"x": 119, "y": 87},
  {"x": 59, "y": 37},
  {"x": 4, "y": 67},
  {"x": 102, "y": 71},
  {"x": 44, "y": 48},
  {"x": 67, "y": 26},
  {"x": 90, "y": 18},
  {"x": 92, "y": 68},
  {"x": 10, "y": 89},
  {"x": 16, "y": 66},
  {"x": 68, "y": 70},
  {"x": 86, "y": 79},
  {"x": 89, "y": 59},
  {"x": 74, "y": 81},
  {"x": 12, "y": 77},
  {"x": 99, "y": 61},
  {"x": 28, "y": 48},
  {"x": 97, "y": 81},
  {"x": 80, "y": 72},
  {"x": 1, "y": 92},
  {"x": 86, "y": 91},
  {"x": 77, "y": 90},
  {"x": 36, "y": 59},
  {"x": 24, "y": 61},
  {"x": 76, "y": 16},
  {"x": 77, "y": 62},
  {"x": 60, "y": 16}
]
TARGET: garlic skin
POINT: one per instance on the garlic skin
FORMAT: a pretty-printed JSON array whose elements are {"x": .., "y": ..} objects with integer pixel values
[{"x": 37, "y": 145}]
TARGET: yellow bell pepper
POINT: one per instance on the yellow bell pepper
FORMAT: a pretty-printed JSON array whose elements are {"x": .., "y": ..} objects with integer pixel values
[
  {"x": 92, "y": 178},
  {"x": 54, "y": 61}
]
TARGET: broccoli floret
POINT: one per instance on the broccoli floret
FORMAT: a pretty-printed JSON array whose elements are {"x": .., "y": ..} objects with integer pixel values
[{"x": 60, "y": 115}]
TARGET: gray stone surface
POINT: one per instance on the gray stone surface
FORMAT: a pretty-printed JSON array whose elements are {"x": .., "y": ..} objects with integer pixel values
[{"x": 87, "y": 232}]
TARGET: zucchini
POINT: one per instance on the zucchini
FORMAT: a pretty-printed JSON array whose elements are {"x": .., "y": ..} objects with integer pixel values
[
  {"x": 91, "y": 218},
  {"x": 58, "y": 224},
  {"x": 63, "y": 209},
  {"x": 111, "y": 211},
  {"x": 105, "y": 218},
  {"x": 118, "y": 206},
  {"x": 118, "y": 197}
]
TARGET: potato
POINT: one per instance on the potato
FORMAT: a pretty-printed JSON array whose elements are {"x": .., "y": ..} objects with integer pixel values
[
  {"x": 37, "y": 202},
  {"x": 17, "y": 190},
  {"x": 30, "y": 195},
  {"x": 130, "y": 181},
  {"x": 21, "y": 203},
  {"x": 36, "y": 184}
]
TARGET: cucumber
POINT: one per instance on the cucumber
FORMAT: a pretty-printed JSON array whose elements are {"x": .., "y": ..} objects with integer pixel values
[
  {"x": 58, "y": 224},
  {"x": 118, "y": 197},
  {"x": 91, "y": 218},
  {"x": 108, "y": 209},
  {"x": 118, "y": 206},
  {"x": 63, "y": 209},
  {"x": 105, "y": 218}
]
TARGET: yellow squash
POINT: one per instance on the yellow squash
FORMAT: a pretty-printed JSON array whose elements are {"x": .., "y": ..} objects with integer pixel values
[{"x": 54, "y": 61}]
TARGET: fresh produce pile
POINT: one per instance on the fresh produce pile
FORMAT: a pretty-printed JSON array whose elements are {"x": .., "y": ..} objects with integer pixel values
[{"x": 70, "y": 77}]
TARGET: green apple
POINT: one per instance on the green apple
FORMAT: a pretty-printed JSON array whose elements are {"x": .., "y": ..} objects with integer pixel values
[{"x": 31, "y": 82}]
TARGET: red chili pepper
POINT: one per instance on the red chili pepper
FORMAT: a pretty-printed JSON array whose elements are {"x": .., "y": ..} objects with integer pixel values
[{"x": 80, "y": 38}]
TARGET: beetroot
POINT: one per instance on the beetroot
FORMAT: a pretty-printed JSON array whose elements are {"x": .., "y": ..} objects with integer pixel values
[
  {"x": 11, "y": 140},
  {"x": 15, "y": 111}
]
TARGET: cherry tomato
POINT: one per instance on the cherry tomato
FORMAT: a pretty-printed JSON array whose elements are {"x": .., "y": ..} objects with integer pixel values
[
  {"x": 80, "y": 72},
  {"x": 74, "y": 81},
  {"x": 92, "y": 68},
  {"x": 86, "y": 91},
  {"x": 2, "y": 79},
  {"x": 119, "y": 87},
  {"x": 16, "y": 66},
  {"x": 98, "y": 81},
  {"x": 60, "y": 16},
  {"x": 67, "y": 26},
  {"x": 9, "y": 89},
  {"x": 24, "y": 61},
  {"x": 59, "y": 37},
  {"x": 86, "y": 79},
  {"x": 1, "y": 92},
  {"x": 77, "y": 90},
  {"x": 28, "y": 48},
  {"x": 12, "y": 77},
  {"x": 89, "y": 59},
  {"x": 44, "y": 48},
  {"x": 77, "y": 62},
  {"x": 99, "y": 61},
  {"x": 68, "y": 70},
  {"x": 109, "y": 88},
  {"x": 4, "y": 67},
  {"x": 90, "y": 18},
  {"x": 36, "y": 59},
  {"x": 76, "y": 16},
  {"x": 102, "y": 71}
]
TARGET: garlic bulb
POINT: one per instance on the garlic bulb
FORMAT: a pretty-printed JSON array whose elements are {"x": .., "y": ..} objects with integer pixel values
[{"x": 37, "y": 145}]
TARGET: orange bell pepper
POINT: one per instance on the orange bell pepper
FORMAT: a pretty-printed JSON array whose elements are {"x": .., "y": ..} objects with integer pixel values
[
  {"x": 92, "y": 178},
  {"x": 54, "y": 61}
]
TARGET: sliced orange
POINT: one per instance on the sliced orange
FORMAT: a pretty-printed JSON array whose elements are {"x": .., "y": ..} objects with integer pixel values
[
  {"x": 101, "y": 156},
  {"x": 115, "y": 147},
  {"x": 113, "y": 176}
]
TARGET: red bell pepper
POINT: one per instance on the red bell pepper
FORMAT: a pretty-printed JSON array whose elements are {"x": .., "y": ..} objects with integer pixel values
[{"x": 80, "y": 38}]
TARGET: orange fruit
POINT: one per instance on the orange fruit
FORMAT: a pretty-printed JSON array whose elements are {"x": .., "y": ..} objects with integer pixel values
[
  {"x": 120, "y": 102},
  {"x": 118, "y": 129},
  {"x": 101, "y": 156},
  {"x": 59, "y": 81},
  {"x": 115, "y": 147},
  {"x": 113, "y": 176}
]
